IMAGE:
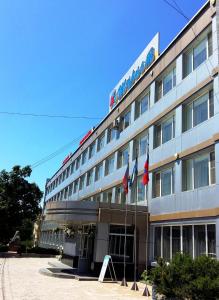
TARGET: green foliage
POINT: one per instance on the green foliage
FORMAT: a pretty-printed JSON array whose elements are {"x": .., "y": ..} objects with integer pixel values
[
  {"x": 3, "y": 248},
  {"x": 19, "y": 203},
  {"x": 185, "y": 278}
]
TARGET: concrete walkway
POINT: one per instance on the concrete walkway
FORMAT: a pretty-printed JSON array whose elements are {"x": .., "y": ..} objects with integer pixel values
[{"x": 20, "y": 280}]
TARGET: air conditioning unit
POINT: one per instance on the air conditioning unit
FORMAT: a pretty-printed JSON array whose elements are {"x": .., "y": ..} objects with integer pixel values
[{"x": 116, "y": 123}]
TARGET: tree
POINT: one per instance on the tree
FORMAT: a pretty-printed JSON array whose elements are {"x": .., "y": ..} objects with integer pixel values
[{"x": 19, "y": 203}]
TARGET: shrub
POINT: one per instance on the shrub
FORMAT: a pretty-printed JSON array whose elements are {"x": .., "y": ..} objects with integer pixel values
[
  {"x": 185, "y": 278},
  {"x": 3, "y": 248}
]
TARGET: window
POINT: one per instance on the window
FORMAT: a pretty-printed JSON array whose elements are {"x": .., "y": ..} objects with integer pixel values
[
  {"x": 100, "y": 142},
  {"x": 140, "y": 145},
  {"x": 125, "y": 120},
  {"x": 120, "y": 195},
  {"x": 116, "y": 243},
  {"x": 198, "y": 111},
  {"x": 90, "y": 177},
  {"x": 99, "y": 172},
  {"x": 138, "y": 193},
  {"x": 78, "y": 162},
  {"x": 164, "y": 132},
  {"x": 68, "y": 172},
  {"x": 70, "y": 190},
  {"x": 97, "y": 198},
  {"x": 84, "y": 156},
  {"x": 82, "y": 182},
  {"x": 166, "y": 83},
  {"x": 194, "y": 240},
  {"x": 111, "y": 134},
  {"x": 142, "y": 105},
  {"x": 198, "y": 171},
  {"x": 195, "y": 56},
  {"x": 76, "y": 186},
  {"x": 163, "y": 182},
  {"x": 109, "y": 167},
  {"x": 72, "y": 167},
  {"x": 92, "y": 150},
  {"x": 107, "y": 196},
  {"x": 123, "y": 157}
]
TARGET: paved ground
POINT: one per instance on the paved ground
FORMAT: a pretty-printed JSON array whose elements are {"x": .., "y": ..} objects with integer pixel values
[{"x": 20, "y": 280}]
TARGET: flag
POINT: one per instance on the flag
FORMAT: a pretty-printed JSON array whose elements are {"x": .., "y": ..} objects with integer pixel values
[
  {"x": 145, "y": 178},
  {"x": 134, "y": 173},
  {"x": 125, "y": 181}
]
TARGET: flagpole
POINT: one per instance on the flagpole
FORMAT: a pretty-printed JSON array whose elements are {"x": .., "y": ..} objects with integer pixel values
[{"x": 135, "y": 286}]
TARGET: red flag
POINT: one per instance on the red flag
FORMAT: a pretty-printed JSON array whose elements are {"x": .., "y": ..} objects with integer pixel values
[
  {"x": 125, "y": 181},
  {"x": 145, "y": 178}
]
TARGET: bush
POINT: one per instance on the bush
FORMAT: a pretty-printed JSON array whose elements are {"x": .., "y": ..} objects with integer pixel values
[
  {"x": 3, "y": 248},
  {"x": 185, "y": 278}
]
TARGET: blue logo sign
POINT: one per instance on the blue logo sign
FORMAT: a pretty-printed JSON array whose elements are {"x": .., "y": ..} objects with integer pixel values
[{"x": 128, "y": 83}]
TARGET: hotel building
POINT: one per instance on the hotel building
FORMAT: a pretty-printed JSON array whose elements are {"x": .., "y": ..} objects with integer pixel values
[{"x": 171, "y": 102}]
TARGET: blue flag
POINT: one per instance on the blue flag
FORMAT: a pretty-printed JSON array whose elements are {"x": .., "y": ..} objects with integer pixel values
[{"x": 134, "y": 173}]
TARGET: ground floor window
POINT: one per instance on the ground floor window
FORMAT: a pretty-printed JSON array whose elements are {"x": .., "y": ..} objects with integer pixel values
[
  {"x": 117, "y": 241},
  {"x": 195, "y": 240}
]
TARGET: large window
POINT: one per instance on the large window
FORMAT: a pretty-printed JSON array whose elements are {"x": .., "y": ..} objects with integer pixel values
[
  {"x": 198, "y": 111},
  {"x": 90, "y": 177},
  {"x": 99, "y": 172},
  {"x": 166, "y": 83},
  {"x": 109, "y": 166},
  {"x": 120, "y": 195},
  {"x": 72, "y": 167},
  {"x": 163, "y": 182},
  {"x": 198, "y": 171},
  {"x": 82, "y": 182},
  {"x": 164, "y": 131},
  {"x": 100, "y": 142},
  {"x": 123, "y": 157},
  {"x": 76, "y": 186},
  {"x": 92, "y": 150},
  {"x": 140, "y": 145},
  {"x": 138, "y": 191},
  {"x": 78, "y": 162},
  {"x": 142, "y": 105},
  {"x": 111, "y": 133},
  {"x": 196, "y": 55},
  {"x": 84, "y": 156},
  {"x": 117, "y": 240},
  {"x": 107, "y": 196},
  {"x": 125, "y": 120},
  {"x": 195, "y": 240}
]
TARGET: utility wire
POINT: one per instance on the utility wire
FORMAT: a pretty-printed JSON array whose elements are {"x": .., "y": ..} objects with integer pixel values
[
  {"x": 57, "y": 152},
  {"x": 48, "y": 115}
]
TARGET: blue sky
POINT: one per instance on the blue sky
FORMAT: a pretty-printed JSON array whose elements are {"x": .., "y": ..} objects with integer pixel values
[{"x": 64, "y": 57}]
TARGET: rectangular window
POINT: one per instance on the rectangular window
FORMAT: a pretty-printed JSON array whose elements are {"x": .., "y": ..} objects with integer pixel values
[
  {"x": 109, "y": 164},
  {"x": 97, "y": 198},
  {"x": 211, "y": 237},
  {"x": 111, "y": 134},
  {"x": 120, "y": 195},
  {"x": 100, "y": 142},
  {"x": 75, "y": 186},
  {"x": 125, "y": 120},
  {"x": 187, "y": 240},
  {"x": 99, "y": 172},
  {"x": 163, "y": 182},
  {"x": 175, "y": 240},
  {"x": 199, "y": 238},
  {"x": 123, "y": 157},
  {"x": 72, "y": 167},
  {"x": 90, "y": 177},
  {"x": 78, "y": 162},
  {"x": 164, "y": 132},
  {"x": 84, "y": 156},
  {"x": 140, "y": 145},
  {"x": 92, "y": 150},
  {"x": 138, "y": 191},
  {"x": 82, "y": 181},
  {"x": 195, "y": 56},
  {"x": 166, "y": 243},
  {"x": 70, "y": 190},
  {"x": 142, "y": 105},
  {"x": 107, "y": 196},
  {"x": 165, "y": 84},
  {"x": 198, "y": 171},
  {"x": 198, "y": 111}
]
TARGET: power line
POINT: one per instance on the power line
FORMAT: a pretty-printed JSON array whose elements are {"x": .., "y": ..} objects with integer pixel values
[
  {"x": 49, "y": 116},
  {"x": 57, "y": 152}
]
